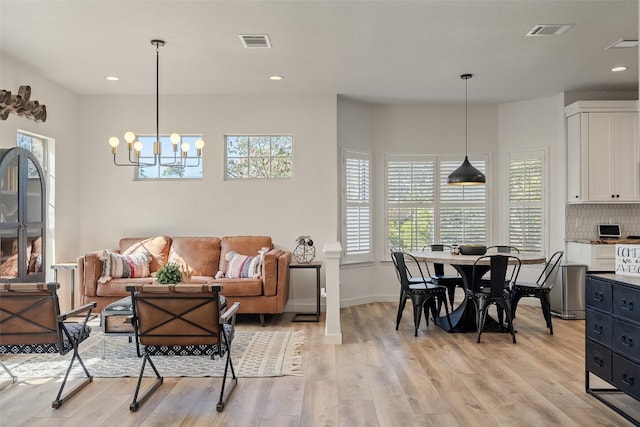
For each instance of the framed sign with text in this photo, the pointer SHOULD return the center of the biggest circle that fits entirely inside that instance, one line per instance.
(628, 260)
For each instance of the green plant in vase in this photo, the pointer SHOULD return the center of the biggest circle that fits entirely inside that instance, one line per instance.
(169, 274)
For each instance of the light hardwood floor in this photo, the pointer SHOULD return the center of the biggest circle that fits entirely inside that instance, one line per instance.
(378, 377)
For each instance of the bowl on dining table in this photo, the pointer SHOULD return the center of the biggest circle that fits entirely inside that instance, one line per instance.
(472, 249)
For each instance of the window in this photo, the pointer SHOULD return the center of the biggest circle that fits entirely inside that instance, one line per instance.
(37, 147)
(422, 209)
(463, 209)
(259, 156)
(169, 167)
(526, 200)
(356, 196)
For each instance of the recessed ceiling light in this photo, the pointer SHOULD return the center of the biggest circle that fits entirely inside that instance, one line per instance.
(276, 78)
(112, 78)
(618, 69)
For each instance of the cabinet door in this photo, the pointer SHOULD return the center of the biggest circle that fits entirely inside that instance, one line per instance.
(626, 156)
(574, 159)
(601, 163)
(22, 217)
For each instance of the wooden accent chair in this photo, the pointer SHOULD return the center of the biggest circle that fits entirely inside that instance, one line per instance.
(172, 320)
(31, 322)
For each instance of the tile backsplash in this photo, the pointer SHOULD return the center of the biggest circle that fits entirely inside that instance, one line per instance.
(582, 220)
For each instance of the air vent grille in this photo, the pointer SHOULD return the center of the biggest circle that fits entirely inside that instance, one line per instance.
(549, 30)
(250, 41)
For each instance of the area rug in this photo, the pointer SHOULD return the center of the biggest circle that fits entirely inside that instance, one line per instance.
(261, 353)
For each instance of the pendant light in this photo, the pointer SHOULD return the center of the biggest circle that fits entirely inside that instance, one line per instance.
(179, 157)
(466, 174)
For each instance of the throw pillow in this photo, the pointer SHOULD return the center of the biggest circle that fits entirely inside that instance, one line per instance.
(243, 266)
(124, 266)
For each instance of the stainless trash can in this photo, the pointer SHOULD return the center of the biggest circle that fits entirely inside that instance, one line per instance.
(567, 295)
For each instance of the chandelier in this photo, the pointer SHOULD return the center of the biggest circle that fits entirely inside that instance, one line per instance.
(466, 174)
(178, 158)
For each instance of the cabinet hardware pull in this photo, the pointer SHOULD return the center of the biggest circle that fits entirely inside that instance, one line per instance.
(627, 379)
(598, 296)
(598, 361)
(627, 305)
(597, 329)
(626, 341)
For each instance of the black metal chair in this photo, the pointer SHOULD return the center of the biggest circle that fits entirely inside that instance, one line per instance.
(496, 292)
(423, 295)
(31, 322)
(449, 281)
(181, 320)
(503, 249)
(540, 289)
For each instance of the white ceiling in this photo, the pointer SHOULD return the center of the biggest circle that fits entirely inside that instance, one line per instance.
(385, 51)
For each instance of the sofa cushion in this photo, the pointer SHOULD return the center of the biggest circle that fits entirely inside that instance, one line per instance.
(158, 247)
(240, 287)
(245, 245)
(199, 256)
(123, 266)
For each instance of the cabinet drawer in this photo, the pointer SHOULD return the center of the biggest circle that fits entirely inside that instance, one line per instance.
(598, 327)
(598, 360)
(626, 340)
(604, 251)
(598, 294)
(626, 375)
(626, 303)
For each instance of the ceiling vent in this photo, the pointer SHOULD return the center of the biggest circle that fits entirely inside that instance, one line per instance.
(255, 40)
(623, 44)
(549, 30)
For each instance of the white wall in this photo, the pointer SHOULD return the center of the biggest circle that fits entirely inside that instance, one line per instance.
(114, 205)
(405, 129)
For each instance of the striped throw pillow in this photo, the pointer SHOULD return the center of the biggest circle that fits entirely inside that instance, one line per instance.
(124, 266)
(243, 266)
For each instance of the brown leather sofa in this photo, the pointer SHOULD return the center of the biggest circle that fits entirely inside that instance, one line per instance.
(203, 258)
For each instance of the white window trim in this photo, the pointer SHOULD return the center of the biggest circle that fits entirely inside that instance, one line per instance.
(361, 257)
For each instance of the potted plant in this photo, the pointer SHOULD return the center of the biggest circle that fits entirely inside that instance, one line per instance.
(169, 274)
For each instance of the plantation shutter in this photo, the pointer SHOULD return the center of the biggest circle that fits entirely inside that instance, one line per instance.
(526, 201)
(410, 202)
(357, 207)
(463, 209)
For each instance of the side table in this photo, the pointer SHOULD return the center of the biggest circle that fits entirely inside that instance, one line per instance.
(71, 266)
(306, 317)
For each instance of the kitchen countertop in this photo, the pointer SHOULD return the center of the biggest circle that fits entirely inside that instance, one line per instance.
(631, 280)
(607, 241)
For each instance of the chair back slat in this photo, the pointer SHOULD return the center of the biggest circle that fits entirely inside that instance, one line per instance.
(177, 315)
(401, 269)
(499, 266)
(549, 274)
(28, 314)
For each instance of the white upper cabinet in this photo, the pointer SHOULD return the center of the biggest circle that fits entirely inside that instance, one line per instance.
(603, 152)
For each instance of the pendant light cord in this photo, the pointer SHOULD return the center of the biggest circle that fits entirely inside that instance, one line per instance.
(158, 92)
(466, 115)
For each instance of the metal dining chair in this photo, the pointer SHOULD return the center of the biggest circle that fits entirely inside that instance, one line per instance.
(496, 292)
(449, 281)
(423, 295)
(503, 249)
(540, 289)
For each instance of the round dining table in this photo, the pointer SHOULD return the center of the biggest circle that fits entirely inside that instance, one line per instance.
(463, 317)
